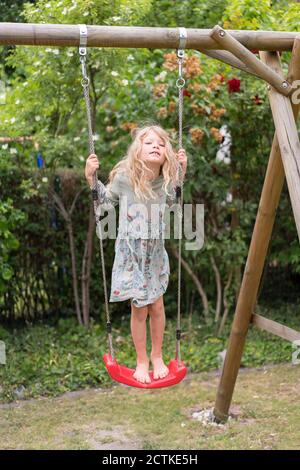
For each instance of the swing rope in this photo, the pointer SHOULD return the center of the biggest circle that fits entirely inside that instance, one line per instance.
(179, 189)
(95, 194)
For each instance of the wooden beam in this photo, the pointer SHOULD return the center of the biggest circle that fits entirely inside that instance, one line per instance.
(21, 139)
(33, 34)
(261, 236)
(275, 328)
(225, 39)
(15, 139)
(228, 58)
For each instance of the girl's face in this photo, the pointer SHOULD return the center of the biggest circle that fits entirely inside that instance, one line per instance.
(153, 148)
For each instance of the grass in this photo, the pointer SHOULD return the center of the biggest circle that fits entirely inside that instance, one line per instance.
(266, 415)
(57, 371)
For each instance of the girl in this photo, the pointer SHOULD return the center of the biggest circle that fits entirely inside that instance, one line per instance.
(143, 179)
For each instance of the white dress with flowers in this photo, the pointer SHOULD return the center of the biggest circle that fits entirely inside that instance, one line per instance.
(141, 265)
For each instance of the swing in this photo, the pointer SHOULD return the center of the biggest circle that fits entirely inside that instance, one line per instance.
(124, 375)
(118, 372)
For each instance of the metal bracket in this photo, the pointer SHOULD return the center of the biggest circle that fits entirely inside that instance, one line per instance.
(182, 42)
(82, 39)
(83, 53)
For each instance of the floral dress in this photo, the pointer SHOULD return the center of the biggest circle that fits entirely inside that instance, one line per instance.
(141, 265)
(140, 271)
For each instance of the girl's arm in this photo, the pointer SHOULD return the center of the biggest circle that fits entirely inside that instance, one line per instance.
(182, 160)
(171, 197)
(91, 166)
(108, 195)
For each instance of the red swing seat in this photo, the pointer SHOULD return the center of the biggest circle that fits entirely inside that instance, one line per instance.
(124, 375)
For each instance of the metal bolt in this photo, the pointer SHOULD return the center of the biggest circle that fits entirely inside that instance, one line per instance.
(269, 87)
(222, 33)
(284, 84)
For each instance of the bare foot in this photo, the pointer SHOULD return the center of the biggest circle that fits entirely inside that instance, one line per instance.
(160, 370)
(142, 372)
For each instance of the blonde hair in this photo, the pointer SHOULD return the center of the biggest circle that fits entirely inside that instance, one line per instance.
(135, 167)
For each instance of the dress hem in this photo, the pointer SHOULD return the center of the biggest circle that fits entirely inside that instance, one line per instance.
(140, 304)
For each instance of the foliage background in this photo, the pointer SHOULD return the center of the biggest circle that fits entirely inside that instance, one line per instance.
(43, 99)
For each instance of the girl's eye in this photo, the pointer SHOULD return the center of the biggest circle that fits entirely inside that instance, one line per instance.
(149, 143)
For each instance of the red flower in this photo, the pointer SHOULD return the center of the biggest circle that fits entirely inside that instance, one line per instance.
(234, 85)
(222, 78)
(257, 99)
(254, 51)
(186, 93)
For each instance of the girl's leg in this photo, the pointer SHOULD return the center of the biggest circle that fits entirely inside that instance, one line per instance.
(139, 336)
(157, 328)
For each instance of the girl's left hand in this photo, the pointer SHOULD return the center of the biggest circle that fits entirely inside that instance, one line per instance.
(182, 158)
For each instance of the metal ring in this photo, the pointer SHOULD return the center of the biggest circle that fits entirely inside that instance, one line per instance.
(180, 82)
(85, 81)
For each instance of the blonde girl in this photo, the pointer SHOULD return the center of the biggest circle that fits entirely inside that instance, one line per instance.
(143, 180)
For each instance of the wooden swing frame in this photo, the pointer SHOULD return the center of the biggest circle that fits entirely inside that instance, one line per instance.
(232, 47)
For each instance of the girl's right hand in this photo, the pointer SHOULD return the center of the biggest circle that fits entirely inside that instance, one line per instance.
(91, 166)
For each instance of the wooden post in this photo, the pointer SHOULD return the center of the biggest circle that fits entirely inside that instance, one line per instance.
(287, 134)
(129, 36)
(257, 253)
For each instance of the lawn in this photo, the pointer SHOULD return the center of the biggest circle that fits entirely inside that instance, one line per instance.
(265, 415)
